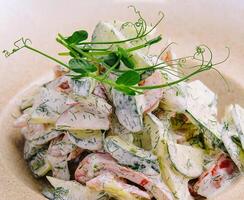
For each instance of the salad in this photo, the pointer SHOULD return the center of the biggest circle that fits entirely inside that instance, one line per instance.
(118, 122)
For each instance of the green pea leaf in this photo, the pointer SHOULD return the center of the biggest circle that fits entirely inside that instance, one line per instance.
(111, 59)
(76, 37)
(126, 58)
(81, 66)
(128, 78)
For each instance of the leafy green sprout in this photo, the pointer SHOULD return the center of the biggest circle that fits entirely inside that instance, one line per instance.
(103, 64)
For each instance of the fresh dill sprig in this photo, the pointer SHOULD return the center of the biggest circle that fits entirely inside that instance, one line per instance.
(103, 64)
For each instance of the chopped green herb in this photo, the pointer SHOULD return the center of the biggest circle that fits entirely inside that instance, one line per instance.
(236, 140)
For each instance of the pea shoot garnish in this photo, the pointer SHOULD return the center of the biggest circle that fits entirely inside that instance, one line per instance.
(115, 64)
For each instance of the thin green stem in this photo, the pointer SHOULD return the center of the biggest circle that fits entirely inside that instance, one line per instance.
(60, 41)
(64, 54)
(169, 83)
(164, 49)
(126, 40)
(146, 44)
(100, 53)
(106, 81)
(48, 56)
(105, 75)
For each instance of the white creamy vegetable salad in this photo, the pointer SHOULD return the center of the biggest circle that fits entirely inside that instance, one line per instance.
(92, 141)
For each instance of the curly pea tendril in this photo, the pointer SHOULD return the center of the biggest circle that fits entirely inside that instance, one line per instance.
(140, 25)
(101, 63)
(19, 44)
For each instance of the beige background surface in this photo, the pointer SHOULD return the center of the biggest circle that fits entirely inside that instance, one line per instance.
(213, 22)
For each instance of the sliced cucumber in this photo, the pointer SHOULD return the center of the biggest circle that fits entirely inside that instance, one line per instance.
(142, 139)
(211, 135)
(160, 136)
(90, 113)
(91, 140)
(94, 103)
(238, 118)
(116, 188)
(46, 137)
(121, 131)
(61, 146)
(129, 31)
(198, 103)
(193, 96)
(230, 137)
(59, 166)
(39, 164)
(202, 110)
(106, 31)
(26, 103)
(156, 129)
(81, 87)
(128, 110)
(29, 97)
(177, 183)
(27, 111)
(201, 100)
(130, 155)
(48, 106)
(74, 190)
(186, 159)
(80, 118)
(175, 98)
(181, 124)
(31, 149)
